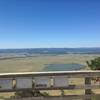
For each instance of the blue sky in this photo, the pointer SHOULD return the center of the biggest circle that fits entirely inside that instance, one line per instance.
(49, 23)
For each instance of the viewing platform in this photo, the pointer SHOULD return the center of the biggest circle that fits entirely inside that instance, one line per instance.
(55, 80)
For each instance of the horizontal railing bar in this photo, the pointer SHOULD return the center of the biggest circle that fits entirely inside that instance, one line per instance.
(69, 97)
(70, 87)
(53, 73)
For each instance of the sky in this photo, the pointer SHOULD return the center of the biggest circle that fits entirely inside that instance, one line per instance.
(49, 23)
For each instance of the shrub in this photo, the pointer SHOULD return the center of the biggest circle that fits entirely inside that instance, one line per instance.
(94, 64)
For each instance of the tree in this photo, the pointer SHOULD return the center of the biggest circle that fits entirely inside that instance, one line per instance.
(94, 64)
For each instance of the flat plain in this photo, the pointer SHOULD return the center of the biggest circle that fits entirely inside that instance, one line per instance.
(37, 62)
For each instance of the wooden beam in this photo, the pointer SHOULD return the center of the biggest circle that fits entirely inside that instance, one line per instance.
(88, 91)
(88, 73)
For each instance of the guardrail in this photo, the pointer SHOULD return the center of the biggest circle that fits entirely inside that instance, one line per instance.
(59, 80)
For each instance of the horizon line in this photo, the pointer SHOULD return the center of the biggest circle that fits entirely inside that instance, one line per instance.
(49, 47)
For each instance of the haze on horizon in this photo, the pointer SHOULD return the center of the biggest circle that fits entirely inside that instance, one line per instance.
(49, 23)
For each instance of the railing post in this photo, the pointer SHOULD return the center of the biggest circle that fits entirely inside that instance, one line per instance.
(88, 92)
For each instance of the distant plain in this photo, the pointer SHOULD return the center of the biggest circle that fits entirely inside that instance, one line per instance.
(36, 62)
